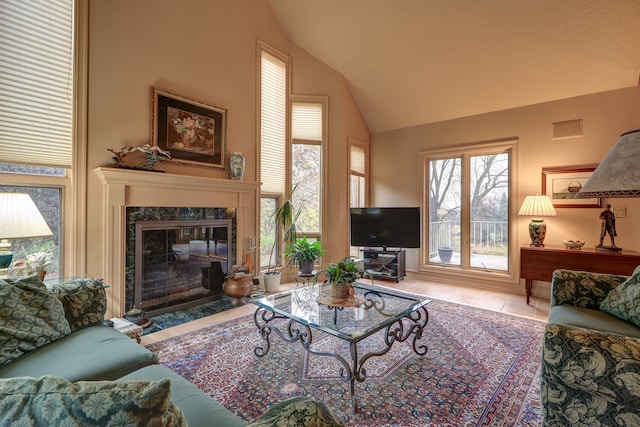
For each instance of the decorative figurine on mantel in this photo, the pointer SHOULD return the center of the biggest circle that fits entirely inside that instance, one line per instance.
(141, 157)
(608, 226)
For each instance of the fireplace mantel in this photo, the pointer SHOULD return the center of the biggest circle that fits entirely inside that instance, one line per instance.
(127, 187)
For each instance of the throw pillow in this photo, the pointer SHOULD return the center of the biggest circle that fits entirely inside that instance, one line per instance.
(84, 301)
(298, 411)
(48, 400)
(624, 301)
(30, 317)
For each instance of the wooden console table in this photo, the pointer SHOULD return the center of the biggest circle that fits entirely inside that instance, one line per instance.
(538, 263)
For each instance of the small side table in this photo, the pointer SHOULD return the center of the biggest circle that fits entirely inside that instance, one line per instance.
(130, 329)
(305, 279)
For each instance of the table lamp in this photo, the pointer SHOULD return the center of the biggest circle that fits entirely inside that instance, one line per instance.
(19, 219)
(537, 206)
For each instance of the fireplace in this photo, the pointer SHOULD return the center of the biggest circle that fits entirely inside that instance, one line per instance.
(132, 197)
(180, 256)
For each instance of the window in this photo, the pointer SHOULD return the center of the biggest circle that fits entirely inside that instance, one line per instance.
(274, 91)
(358, 165)
(357, 174)
(307, 132)
(468, 197)
(37, 94)
(49, 203)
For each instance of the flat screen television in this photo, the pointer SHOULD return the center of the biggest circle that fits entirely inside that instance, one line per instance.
(385, 227)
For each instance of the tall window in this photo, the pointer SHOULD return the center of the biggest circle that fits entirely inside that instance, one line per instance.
(357, 174)
(468, 196)
(357, 179)
(307, 133)
(273, 147)
(36, 111)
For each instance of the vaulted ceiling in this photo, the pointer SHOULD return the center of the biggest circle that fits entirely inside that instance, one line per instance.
(410, 62)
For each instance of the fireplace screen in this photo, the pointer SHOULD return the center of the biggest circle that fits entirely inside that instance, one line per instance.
(179, 262)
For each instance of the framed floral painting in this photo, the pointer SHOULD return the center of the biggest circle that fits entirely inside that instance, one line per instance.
(192, 131)
(562, 184)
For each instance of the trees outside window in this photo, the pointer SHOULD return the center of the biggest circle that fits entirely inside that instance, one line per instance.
(468, 207)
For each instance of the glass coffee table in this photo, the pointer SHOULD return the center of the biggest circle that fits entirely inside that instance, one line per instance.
(310, 310)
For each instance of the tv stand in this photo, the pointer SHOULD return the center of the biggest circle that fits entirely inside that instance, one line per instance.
(384, 264)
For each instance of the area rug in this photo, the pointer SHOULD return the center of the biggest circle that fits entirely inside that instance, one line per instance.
(482, 368)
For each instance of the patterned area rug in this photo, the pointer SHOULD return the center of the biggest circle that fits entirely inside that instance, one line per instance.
(482, 369)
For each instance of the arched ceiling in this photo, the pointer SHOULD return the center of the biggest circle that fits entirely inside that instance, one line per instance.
(410, 62)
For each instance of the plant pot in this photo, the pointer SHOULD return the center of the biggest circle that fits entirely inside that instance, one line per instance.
(341, 290)
(272, 281)
(445, 253)
(236, 288)
(306, 267)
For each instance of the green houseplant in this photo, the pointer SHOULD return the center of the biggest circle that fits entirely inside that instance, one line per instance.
(342, 275)
(304, 253)
(285, 217)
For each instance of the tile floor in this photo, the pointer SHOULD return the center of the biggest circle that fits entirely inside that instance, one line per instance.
(491, 300)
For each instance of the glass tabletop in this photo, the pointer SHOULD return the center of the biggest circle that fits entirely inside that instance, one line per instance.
(381, 307)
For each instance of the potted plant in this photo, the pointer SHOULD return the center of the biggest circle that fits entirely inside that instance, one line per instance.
(285, 217)
(341, 275)
(304, 253)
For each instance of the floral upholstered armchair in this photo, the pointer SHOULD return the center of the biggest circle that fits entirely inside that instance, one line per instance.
(591, 357)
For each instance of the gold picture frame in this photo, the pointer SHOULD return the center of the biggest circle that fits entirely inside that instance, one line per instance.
(561, 185)
(192, 131)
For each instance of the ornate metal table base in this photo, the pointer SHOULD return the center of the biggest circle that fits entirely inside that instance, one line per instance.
(352, 370)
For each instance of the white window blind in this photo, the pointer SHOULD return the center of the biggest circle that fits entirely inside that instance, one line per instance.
(357, 162)
(273, 122)
(36, 82)
(306, 121)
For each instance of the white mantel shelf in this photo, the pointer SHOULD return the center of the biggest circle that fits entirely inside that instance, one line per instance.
(128, 177)
(128, 187)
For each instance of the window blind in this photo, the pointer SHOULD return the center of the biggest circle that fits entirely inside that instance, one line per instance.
(273, 122)
(357, 162)
(306, 121)
(36, 82)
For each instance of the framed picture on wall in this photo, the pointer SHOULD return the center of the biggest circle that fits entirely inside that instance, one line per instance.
(562, 184)
(192, 131)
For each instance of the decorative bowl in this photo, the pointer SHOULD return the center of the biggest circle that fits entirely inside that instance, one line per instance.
(573, 244)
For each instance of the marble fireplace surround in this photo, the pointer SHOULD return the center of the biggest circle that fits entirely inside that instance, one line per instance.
(126, 187)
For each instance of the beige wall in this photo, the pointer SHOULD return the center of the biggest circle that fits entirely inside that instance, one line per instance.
(205, 50)
(605, 116)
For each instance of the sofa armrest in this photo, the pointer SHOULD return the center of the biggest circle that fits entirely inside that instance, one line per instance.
(84, 301)
(581, 288)
(588, 368)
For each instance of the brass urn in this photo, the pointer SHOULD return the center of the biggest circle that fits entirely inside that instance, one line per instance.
(237, 288)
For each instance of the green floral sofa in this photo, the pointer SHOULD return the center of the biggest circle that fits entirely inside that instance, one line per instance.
(591, 356)
(59, 365)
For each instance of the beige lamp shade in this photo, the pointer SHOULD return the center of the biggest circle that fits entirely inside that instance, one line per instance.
(20, 217)
(618, 175)
(537, 206)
